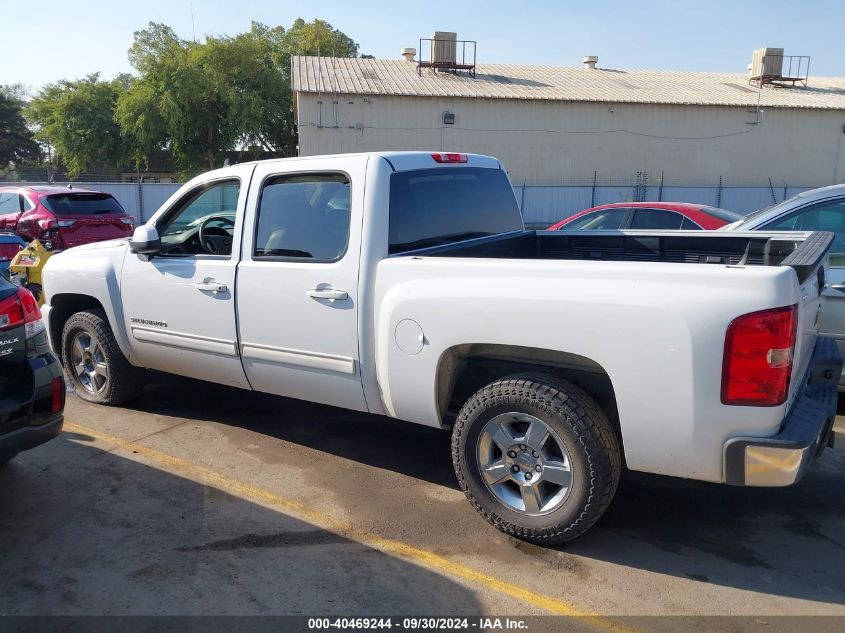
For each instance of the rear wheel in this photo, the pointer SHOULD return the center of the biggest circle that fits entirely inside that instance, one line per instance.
(93, 362)
(537, 457)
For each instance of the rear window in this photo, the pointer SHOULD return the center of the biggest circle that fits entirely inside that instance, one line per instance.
(723, 214)
(429, 207)
(82, 204)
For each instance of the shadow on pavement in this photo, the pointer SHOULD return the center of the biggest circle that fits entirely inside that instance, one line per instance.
(781, 541)
(85, 531)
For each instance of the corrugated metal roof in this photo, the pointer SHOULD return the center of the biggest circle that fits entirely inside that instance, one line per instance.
(557, 83)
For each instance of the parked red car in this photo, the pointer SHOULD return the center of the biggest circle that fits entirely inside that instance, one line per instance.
(654, 216)
(64, 217)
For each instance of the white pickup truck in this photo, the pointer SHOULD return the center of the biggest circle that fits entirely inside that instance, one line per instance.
(404, 284)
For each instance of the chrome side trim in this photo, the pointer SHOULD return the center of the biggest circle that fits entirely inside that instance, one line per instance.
(298, 358)
(183, 340)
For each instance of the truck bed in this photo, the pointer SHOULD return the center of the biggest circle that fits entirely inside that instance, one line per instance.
(800, 250)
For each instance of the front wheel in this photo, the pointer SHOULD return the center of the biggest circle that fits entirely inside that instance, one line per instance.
(537, 457)
(93, 362)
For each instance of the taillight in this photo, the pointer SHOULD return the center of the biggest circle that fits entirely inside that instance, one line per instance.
(758, 358)
(52, 223)
(449, 157)
(57, 393)
(11, 313)
(8, 251)
(128, 220)
(33, 322)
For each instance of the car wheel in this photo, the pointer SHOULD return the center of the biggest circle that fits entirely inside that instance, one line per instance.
(93, 362)
(536, 457)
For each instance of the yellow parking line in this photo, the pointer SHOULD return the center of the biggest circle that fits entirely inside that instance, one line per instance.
(298, 510)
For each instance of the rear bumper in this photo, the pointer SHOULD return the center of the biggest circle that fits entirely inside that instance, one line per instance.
(782, 459)
(27, 437)
(32, 416)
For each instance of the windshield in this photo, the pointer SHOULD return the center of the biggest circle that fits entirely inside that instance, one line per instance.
(81, 204)
(774, 209)
(429, 207)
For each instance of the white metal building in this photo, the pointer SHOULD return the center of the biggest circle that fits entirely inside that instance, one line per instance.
(553, 125)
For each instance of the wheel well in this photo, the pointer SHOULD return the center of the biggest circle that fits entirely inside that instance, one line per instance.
(62, 307)
(464, 369)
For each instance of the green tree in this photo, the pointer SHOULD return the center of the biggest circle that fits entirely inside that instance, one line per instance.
(76, 118)
(202, 99)
(16, 141)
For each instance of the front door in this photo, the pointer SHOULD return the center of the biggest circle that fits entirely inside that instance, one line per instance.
(179, 306)
(298, 282)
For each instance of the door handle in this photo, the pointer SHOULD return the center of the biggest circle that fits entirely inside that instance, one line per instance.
(327, 293)
(839, 287)
(210, 286)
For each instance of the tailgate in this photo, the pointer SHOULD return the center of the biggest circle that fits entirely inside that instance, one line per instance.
(88, 229)
(810, 263)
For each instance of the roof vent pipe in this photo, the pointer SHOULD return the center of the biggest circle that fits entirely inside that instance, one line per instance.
(409, 53)
(590, 61)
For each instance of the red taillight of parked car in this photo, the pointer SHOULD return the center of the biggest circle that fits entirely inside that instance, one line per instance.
(8, 251)
(21, 309)
(758, 358)
(57, 392)
(52, 223)
(11, 313)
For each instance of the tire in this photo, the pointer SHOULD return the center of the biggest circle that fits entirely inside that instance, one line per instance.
(116, 380)
(539, 502)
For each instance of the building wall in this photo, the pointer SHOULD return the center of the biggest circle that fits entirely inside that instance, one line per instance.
(547, 142)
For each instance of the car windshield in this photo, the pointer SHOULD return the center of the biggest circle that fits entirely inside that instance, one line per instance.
(774, 209)
(81, 204)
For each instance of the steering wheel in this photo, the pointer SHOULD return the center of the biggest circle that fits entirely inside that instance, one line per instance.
(215, 240)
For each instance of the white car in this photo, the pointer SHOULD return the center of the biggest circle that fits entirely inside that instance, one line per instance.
(815, 210)
(404, 284)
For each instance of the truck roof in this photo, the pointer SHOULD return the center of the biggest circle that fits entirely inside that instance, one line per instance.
(401, 161)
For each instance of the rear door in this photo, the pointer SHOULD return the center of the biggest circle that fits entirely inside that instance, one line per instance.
(827, 215)
(12, 204)
(297, 295)
(85, 217)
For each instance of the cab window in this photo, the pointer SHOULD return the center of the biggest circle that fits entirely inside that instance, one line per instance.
(304, 217)
(202, 222)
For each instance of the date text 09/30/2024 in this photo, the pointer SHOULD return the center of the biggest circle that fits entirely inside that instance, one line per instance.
(418, 623)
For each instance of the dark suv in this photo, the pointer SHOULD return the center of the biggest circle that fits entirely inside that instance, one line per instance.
(32, 389)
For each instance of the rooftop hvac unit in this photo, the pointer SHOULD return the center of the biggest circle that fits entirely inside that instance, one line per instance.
(767, 62)
(444, 47)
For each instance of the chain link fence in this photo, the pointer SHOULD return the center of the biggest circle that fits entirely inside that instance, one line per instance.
(541, 205)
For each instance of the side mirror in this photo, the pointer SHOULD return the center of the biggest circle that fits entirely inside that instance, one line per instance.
(145, 241)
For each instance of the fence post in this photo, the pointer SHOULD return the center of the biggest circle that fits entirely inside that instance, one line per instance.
(522, 200)
(140, 199)
(593, 196)
(772, 189)
(660, 192)
(719, 193)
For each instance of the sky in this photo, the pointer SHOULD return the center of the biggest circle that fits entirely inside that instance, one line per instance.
(67, 39)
